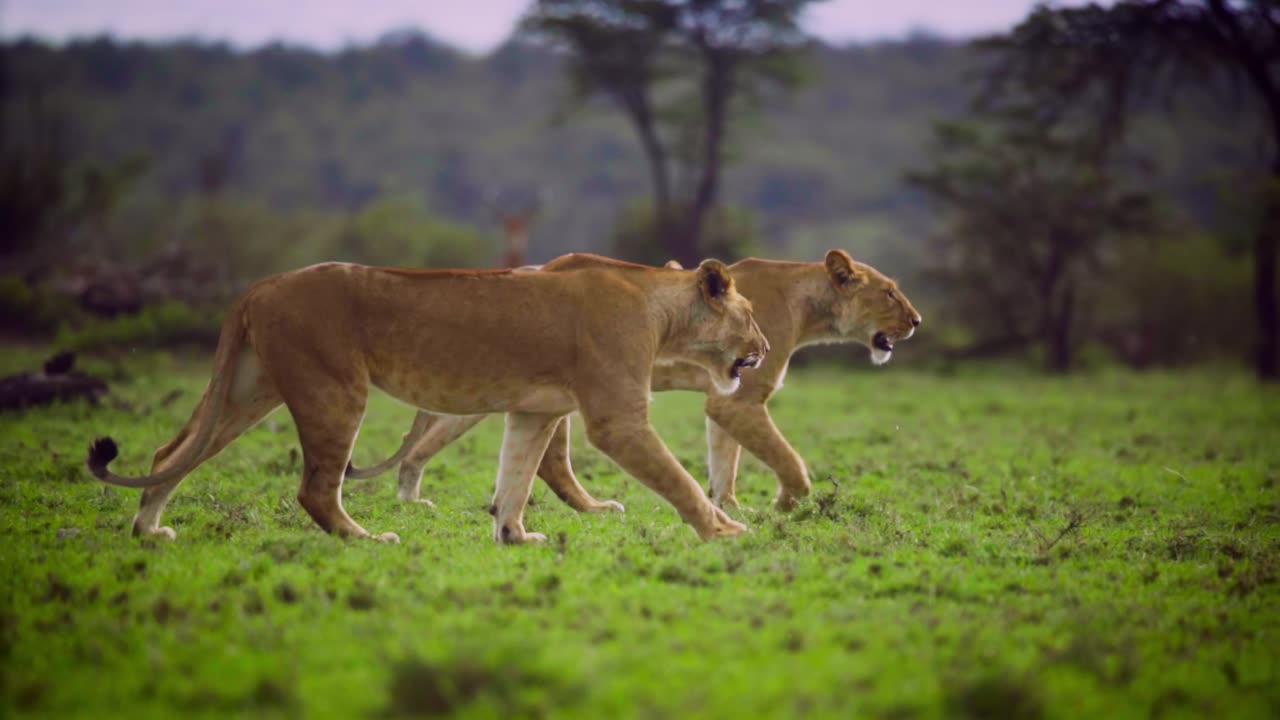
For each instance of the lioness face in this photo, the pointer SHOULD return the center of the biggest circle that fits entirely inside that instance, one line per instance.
(725, 337)
(870, 308)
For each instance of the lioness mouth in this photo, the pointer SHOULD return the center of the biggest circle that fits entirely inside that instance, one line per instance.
(882, 342)
(750, 361)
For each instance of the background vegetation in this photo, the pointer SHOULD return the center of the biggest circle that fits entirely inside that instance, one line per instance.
(402, 152)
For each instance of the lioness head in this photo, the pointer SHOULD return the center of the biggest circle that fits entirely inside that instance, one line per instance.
(870, 308)
(724, 336)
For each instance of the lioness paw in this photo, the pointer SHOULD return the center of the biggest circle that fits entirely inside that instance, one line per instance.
(165, 532)
(387, 537)
(721, 526)
(728, 502)
(728, 528)
(422, 501)
(508, 535)
(607, 505)
(786, 502)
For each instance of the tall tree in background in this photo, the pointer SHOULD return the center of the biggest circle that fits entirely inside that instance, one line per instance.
(627, 50)
(615, 49)
(1097, 64)
(1030, 213)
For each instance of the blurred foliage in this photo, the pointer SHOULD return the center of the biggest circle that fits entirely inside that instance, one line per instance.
(26, 308)
(1174, 300)
(679, 72)
(1031, 214)
(164, 324)
(398, 230)
(1097, 65)
(729, 234)
(406, 115)
(394, 153)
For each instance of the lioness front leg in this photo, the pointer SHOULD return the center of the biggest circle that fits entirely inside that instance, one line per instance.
(523, 443)
(749, 424)
(556, 470)
(441, 430)
(637, 449)
(722, 464)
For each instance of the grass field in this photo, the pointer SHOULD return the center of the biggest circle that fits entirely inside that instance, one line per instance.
(995, 545)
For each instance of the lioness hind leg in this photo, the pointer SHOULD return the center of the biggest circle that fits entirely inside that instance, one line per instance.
(328, 419)
(252, 398)
(523, 443)
(441, 431)
(723, 453)
(556, 470)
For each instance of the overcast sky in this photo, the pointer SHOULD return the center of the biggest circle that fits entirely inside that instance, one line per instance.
(475, 25)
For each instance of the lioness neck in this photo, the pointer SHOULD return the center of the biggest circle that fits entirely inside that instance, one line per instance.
(668, 301)
(804, 294)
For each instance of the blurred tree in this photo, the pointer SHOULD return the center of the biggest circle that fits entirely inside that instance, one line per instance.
(398, 230)
(1029, 214)
(615, 49)
(34, 169)
(326, 134)
(742, 46)
(1097, 64)
(626, 49)
(728, 232)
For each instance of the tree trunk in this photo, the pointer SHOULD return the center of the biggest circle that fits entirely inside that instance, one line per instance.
(659, 174)
(1059, 355)
(1256, 61)
(1265, 245)
(717, 88)
(1057, 298)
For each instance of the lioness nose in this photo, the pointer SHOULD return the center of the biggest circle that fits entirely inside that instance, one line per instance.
(915, 321)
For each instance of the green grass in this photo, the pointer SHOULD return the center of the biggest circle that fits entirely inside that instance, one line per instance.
(976, 546)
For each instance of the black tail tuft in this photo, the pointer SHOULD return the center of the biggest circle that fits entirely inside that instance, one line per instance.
(350, 468)
(101, 453)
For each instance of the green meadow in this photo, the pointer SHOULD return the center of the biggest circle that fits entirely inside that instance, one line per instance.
(980, 544)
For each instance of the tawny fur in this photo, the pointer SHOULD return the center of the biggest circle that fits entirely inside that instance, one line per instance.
(796, 304)
(535, 345)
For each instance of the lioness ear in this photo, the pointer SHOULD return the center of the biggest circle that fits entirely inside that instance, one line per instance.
(843, 271)
(673, 265)
(714, 279)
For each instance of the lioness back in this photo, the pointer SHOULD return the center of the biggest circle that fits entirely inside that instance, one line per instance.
(444, 339)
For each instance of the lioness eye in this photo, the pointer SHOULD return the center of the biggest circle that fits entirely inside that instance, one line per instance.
(889, 293)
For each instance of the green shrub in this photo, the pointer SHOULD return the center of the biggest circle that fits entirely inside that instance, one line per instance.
(398, 230)
(162, 325)
(31, 310)
(728, 234)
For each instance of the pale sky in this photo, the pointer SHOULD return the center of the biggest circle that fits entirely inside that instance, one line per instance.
(474, 25)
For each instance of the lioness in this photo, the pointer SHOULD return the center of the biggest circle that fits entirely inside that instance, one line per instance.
(799, 304)
(533, 345)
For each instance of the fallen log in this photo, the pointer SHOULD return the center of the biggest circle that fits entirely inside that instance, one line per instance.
(57, 381)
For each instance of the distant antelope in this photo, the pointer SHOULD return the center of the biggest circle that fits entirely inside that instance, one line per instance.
(516, 249)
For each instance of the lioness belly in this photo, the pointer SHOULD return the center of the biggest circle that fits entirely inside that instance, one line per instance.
(476, 396)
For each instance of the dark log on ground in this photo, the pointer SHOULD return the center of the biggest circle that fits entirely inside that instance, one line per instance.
(57, 381)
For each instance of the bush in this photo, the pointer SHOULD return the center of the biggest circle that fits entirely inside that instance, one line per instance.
(728, 234)
(398, 230)
(161, 325)
(1175, 302)
(31, 310)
